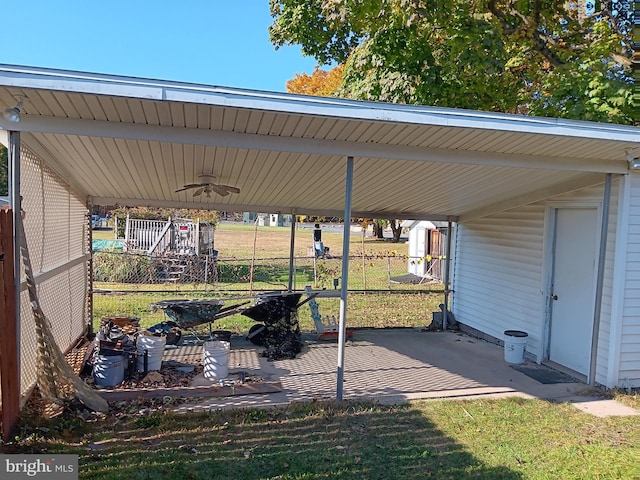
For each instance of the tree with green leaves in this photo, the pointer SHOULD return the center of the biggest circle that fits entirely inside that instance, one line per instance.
(4, 171)
(558, 59)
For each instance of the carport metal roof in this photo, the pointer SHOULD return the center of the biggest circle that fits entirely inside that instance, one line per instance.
(128, 141)
(131, 141)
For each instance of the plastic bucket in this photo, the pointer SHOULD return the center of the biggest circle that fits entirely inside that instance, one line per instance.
(215, 358)
(108, 370)
(154, 346)
(514, 344)
(222, 335)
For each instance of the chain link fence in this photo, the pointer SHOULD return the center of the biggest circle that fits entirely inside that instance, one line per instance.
(367, 273)
(381, 292)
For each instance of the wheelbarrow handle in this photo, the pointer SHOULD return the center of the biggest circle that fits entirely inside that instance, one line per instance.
(308, 299)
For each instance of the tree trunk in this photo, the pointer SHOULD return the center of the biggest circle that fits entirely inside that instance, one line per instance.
(396, 228)
(377, 230)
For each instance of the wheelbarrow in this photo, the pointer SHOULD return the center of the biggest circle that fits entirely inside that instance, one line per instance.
(187, 314)
(278, 330)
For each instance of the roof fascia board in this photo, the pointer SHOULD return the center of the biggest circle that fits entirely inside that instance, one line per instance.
(100, 84)
(583, 181)
(138, 202)
(194, 136)
(73, 84)
(408, 114)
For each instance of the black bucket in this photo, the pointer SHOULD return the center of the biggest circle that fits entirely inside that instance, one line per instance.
(221, 335)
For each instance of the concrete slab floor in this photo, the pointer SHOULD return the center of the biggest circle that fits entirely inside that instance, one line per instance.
(392, 366)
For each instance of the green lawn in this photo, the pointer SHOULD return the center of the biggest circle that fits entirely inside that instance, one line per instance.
(485, 439)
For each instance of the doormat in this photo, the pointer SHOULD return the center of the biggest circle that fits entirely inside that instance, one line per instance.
(544, 374)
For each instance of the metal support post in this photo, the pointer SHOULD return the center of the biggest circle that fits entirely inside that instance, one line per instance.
(342, 333)
(600, 280)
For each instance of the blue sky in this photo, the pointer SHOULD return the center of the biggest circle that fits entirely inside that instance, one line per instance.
(214, 42)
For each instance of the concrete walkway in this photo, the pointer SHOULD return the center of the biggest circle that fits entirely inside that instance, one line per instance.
(392, 366)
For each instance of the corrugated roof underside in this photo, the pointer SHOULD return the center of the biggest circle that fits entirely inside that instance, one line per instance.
(261, 122)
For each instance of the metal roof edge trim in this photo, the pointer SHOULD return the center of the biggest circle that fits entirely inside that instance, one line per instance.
(160, 90)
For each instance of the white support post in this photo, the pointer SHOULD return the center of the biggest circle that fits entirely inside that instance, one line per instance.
(447, 266)
(600, 281)
(292, 252)
(342, 332)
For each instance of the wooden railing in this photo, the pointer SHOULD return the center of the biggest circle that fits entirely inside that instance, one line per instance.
(147, 235)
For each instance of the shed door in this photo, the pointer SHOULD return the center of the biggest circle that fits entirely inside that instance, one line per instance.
(573, 288)
(436, 252)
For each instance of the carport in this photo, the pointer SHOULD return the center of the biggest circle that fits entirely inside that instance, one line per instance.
(90, 139)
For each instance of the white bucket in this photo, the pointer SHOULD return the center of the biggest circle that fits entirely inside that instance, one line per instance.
(108, 370)
(215, 358)
(154, 346)
(514, 343)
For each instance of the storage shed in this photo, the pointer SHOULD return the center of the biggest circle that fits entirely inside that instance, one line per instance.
(427, 248)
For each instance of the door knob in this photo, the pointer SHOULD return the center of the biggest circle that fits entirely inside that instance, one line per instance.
(554, 297)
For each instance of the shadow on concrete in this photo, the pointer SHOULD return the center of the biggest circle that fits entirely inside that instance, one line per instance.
(389, 366)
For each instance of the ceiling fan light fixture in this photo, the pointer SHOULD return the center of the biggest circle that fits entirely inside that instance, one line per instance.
(207, 185)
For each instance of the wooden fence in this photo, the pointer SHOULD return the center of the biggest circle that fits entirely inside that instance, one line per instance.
(9, 374)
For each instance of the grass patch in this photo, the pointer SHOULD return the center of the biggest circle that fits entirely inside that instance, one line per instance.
(378, 310)
(486, 439)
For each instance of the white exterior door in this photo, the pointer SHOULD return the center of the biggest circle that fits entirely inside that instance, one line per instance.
(573, 287)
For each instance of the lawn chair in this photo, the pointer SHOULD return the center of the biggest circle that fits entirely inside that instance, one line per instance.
(327, 327)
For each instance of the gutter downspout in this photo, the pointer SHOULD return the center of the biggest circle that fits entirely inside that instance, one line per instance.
(445, 310)
(600, 281)
(345, 277)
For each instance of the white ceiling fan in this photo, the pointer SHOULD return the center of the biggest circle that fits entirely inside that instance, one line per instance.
(207, 185)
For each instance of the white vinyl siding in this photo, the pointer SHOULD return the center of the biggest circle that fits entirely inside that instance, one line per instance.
(498, 272)
(629, 363)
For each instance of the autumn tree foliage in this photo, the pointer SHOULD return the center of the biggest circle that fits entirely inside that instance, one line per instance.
(323, 83)
(569, 59)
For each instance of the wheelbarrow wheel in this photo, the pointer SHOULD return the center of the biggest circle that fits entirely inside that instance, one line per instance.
(257, 334)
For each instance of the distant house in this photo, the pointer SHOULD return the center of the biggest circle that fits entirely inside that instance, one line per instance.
(249, 217)
(4, 201)
(268, 219)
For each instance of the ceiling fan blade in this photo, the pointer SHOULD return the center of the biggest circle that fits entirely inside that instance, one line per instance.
(187, 187)
(229, 188)
(198, 192)
(219, 190)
